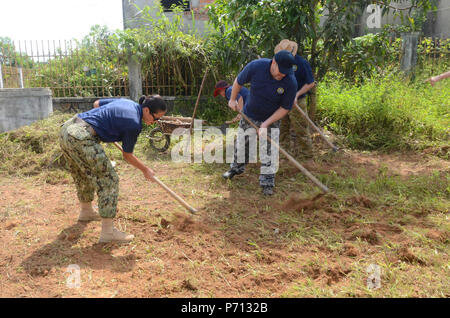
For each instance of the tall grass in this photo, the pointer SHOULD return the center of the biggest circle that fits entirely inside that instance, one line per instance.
(386, 112)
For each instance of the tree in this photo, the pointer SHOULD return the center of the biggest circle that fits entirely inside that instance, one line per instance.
(10, 57)
(248, 28)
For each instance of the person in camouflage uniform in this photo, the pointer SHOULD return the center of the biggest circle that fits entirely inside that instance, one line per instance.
(295, 132)
(90, 168)
(111, 120)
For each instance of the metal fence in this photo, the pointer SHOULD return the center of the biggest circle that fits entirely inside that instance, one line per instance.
(81, 69)
(68, 68)
(433, 53)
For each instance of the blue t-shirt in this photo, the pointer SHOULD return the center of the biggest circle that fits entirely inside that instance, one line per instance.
(244, 93)
(266, 93)
(116, 120)
(303, 73)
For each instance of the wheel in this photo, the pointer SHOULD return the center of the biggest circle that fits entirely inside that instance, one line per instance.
(158, 140)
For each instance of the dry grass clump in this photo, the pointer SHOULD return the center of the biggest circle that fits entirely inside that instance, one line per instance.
(33, 149)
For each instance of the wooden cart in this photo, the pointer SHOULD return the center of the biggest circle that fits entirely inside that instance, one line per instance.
(159, 137)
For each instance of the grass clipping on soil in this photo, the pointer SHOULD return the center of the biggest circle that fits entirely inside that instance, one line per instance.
(34, 149)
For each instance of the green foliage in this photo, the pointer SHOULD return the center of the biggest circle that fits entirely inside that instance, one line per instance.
(170, 55)
(245, 29)
(94, 66)
(367, 55)
(10, 56)
(386, 112)
(173, 60)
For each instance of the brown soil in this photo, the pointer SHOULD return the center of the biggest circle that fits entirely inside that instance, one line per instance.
(238, 245)
(405, 255)
(296, 203)
(438, 235)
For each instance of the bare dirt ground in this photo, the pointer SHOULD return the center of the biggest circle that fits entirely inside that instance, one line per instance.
(241, 244)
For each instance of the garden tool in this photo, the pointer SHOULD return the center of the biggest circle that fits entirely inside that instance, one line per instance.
(289, 157)
(162, 185)
(311, 123)
(188, 144)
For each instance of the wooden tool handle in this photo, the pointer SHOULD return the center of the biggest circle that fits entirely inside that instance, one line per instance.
(311, 123)
(290, 158)
(162, 185)
(198, 99)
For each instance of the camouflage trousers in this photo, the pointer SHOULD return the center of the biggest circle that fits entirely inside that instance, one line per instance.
(90, 167)
(295, 132)
(245, 151)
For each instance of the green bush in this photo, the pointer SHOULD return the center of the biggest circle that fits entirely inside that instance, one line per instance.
(387, 112)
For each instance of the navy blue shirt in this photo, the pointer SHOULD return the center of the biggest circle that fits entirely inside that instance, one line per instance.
(267, 94)
(244, 93)
(116, 120)
(303, 73)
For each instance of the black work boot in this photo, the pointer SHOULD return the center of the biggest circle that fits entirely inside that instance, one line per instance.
(230, 174)
(267, 190)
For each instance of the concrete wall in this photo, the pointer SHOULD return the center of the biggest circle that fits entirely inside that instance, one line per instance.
(23, 106)
(73, 104)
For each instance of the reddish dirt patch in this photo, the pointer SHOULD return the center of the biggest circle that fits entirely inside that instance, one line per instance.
(231, 249)
(405, 255)
(438, 235)
(295, 203)
(187, 223)
(360, 201)
(10, 225)
(350, 250)
(335, 274)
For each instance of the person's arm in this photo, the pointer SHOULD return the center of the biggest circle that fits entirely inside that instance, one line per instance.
(277, 115)
(436, 79)
(238, 116)
(243, 77)
(305, 88)
(308, 78)
(129, 139)
(101, 102)
(232, 103)
(135, 162)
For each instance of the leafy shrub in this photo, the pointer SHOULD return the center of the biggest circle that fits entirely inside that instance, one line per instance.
(385, 112)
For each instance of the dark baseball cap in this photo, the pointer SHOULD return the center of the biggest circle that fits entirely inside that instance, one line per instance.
(220, 85)
(285, 61)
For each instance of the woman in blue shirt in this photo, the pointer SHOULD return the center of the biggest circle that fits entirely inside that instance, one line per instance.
(110, 120)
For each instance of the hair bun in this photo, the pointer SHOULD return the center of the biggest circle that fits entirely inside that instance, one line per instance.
(141, 100)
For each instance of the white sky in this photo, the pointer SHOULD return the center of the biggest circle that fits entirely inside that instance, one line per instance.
(57, 19)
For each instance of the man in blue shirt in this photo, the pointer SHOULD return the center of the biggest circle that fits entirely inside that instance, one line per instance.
(111, 120)
(272, 92)
(224, 89)
(294, 127)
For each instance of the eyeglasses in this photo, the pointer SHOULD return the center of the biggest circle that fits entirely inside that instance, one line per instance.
(155, 118)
